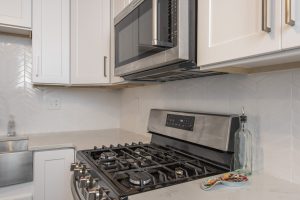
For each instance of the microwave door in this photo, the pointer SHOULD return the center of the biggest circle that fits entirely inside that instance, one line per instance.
(134, 33)
(126, 33)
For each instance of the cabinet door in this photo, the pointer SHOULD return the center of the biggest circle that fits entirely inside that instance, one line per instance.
(51, 41)
(15, 13)
(90, 45)
(52, 176)
(232, 29)
(290, 24)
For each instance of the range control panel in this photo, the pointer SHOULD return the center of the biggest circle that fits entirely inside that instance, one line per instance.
(180, 122)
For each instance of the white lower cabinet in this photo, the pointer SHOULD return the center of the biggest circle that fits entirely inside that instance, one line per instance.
(52, 176)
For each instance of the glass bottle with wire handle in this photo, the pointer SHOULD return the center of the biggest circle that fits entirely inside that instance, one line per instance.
(243, 148)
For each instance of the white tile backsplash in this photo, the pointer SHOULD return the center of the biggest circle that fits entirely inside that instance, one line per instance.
(81, 108)
(271, 100)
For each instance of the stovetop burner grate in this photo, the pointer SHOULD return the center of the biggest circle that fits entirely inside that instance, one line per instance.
(141, 167)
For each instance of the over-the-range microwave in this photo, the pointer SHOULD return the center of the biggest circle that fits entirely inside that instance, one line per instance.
(155, 40)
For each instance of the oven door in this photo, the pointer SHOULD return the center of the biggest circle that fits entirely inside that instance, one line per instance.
(144, 30)
(75, 190)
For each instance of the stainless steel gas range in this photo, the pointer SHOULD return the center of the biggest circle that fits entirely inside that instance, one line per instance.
(184, 147)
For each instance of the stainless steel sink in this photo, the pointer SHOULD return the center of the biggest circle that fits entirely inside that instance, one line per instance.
(13, 144)
(16, 162)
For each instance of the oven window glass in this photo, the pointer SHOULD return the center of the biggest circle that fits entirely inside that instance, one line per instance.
(133, 35)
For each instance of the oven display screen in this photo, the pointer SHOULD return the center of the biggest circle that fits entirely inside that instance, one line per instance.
(180, 122)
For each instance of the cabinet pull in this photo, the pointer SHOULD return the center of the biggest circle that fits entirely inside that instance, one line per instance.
(265, 27)
(105, 58)
(37, 67)
(288, 13)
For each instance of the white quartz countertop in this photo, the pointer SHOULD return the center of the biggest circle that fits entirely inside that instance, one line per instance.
(260, 187)
(83, 139)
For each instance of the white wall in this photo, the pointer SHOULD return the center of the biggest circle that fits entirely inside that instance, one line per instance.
(271, 100)
(82, 109)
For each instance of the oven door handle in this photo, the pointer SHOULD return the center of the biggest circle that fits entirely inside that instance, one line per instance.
(155, 29)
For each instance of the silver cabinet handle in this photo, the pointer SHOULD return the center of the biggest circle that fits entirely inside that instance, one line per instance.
(105, 58)
(288, 13)
(265, 16)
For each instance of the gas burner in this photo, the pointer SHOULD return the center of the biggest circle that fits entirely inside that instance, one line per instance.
(139, 151)
(108, 155)
(139, 178)
(180, 173)
(140, 162)
(109, 163)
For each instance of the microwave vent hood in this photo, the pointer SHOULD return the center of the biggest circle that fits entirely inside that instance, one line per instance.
(170, 73)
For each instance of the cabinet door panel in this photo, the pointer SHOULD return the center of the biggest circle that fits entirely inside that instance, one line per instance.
(15, 13)
(52, 176)
(291, 33)
(232, 29)
(90, 42)
(54, 167)
(51, 41)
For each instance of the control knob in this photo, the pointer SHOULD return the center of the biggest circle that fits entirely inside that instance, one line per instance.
(92, 193)
(85, 181)
(80, 170)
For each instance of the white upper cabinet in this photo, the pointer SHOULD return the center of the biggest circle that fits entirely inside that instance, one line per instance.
(290, 24)
(234, 29)
(90, 41)
(51, 41)
(15, 13)
(71, 42)
(119, 5)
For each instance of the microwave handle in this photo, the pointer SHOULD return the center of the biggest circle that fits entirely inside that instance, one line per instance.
(155, 34)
